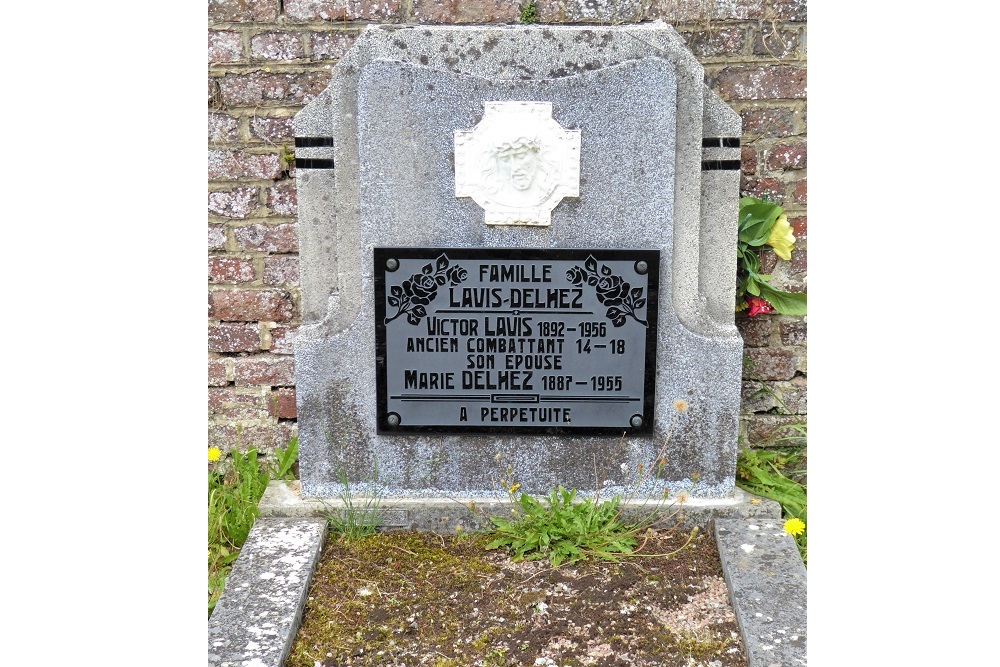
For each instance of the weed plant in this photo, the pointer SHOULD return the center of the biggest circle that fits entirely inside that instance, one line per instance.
(235, 486)
(770, 470)
(359, 517)
(565, 531)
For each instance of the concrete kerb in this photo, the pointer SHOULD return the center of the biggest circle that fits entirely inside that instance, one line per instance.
(258, 614)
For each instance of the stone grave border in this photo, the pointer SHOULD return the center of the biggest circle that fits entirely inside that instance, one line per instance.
(260, 610)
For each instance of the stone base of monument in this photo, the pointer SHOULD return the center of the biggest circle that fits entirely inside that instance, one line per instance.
(261, 608)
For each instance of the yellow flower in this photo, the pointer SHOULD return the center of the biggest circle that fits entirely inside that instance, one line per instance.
(515, 487)
(214, 453)
(680, 405)
(781, 238)
(794, 526)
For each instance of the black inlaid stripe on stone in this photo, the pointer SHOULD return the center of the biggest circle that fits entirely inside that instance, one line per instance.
(720, 142)
(313, 142)
(716, 165)
(312, 163)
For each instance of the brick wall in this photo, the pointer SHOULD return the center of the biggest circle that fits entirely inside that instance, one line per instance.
(268, 58)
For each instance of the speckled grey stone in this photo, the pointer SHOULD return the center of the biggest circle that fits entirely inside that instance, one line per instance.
(255, 620)
(638, 97)
(767, 587)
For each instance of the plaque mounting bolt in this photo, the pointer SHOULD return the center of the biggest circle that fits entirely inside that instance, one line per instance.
(641, 267)
(393, 419)
(636, 421)
(391, 264)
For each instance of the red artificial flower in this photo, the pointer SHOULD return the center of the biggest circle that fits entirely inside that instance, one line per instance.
(758, 305)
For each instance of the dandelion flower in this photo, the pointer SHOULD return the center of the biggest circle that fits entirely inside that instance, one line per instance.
(515, 487)
(214, 453)
(680, 405)
(682, 497)
(794, 526)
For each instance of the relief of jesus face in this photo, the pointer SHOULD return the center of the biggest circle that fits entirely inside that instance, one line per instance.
(518, 165)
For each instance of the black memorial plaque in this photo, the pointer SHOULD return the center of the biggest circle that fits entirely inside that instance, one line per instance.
(503, 340)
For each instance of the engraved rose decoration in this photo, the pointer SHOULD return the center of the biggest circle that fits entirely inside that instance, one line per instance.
(613, 291)
(411, 297)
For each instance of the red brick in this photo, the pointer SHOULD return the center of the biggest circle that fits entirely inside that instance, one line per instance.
(234, 403)
(768, 260)
(282, 200)
(281, 238)
(233, 337)
(752, 399)
(225, 11)
(798, 261)
(799, 194)
(216, 237)
(718, 42)
(231, 165)
(787, 156)
(244, 305)
(758, 187)
(282, 339)
(282, 404)
(756, 331)
(271, 371)
(217, 372)
(257, 88)
(276, 46)
(766, 83)
(236, 435)
(281, 271)
(748, 159)
(768, 122)
(798, 226)
(224, 46)
(311, 10)
(235, 203)
(332, 45)
(775, 43)
(230, 270)
(468, 11)
(769, 364)
(223, 127)
(276, 129)
(680, 11)
(785, 10)
(793, 333)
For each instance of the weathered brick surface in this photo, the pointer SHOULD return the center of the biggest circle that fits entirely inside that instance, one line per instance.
(232, 165)
(774, 42)
(223, 128)
(244, 305)
(281, 271)
(756, 331)
(748, 159)
(233, 337)
(281, 238)
(787, 156)
(718, 42)
(263, 435)
(224, 46)
(798, 226)
(235, 203)
(762, 83)
(798, 261)
(268, 370)
(761, 187)
(261, 87)
(282, 339)
(765, 430)
(768, 121)
(281, 198)
(276, 46)
(677, 11)
(217, 372)
(468, 11)
(372, 10)
(230, 270)
(281, 403)
(799, 193)
(785, 10)
(216, 237)
(239, 403)
(223, 11)
(330, 45)
(274, 129)
(793, 333)
(770, 364)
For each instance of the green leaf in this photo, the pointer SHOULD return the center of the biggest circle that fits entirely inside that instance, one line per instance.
(756, 221)
(786, 303)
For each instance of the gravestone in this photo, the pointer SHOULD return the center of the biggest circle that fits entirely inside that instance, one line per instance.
(517, 247)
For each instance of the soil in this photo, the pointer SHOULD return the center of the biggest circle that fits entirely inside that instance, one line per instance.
(407, 598)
